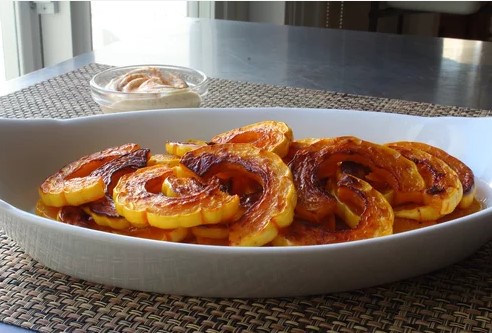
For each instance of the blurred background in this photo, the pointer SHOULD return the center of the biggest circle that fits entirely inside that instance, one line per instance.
(37, 34)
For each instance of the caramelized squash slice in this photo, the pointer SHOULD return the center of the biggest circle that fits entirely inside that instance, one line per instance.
(103, 211)
(443, 191)
(73, 185)
(179, 148)
(140, 199)
(314, 164)
(272, 209)
(465, 173)
(274, 136)
(357, 201)
(168, 159)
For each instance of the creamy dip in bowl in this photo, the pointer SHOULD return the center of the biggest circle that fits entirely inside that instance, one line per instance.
(146, 87)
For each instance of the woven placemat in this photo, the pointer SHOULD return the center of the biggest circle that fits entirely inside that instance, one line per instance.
(455, 299)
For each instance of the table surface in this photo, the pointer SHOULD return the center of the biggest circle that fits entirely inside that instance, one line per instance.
(424, 69)
(433, 70)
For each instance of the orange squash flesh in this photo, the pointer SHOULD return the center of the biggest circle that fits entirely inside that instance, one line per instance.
(73, 185)
(321, 160)
(139, 198)
(274, 136)
(443, 190)
(465, 174)
(273, 209)
(255, 186)
(103, 210)
(375, 219)
(178, 148)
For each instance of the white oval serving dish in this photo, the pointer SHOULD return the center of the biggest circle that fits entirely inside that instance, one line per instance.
(32, 149)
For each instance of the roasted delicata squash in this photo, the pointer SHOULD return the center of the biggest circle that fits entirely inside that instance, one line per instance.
(297, 145)
(139, 197)
(178, 148)
(357, 201)
(443, 191)
(73, 185)
(103, 210)
(464, 173)
(167, 159)
(274, 136)
(217, 234)
(256, 186)
(168, 235)
(273, 208)
(315, 163)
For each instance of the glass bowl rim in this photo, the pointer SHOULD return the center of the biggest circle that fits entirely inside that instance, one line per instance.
(95, 86)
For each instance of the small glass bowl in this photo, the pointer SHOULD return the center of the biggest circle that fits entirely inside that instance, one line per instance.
(111, 100)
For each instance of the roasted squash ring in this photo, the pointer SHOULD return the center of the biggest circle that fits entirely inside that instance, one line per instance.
(138, 197)
(211, 234)
(179, 148)
(272, 210)
(297, 145)
(168, 235)
(103, 211)
(167, 159)
(73, 185)
(465, 174)
(443, 190)
(273, 136)
(312, 165)
(355, 197)
(216, 231)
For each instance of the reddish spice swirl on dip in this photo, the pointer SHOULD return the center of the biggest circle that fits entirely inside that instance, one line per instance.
(146, 79)
(150, 88)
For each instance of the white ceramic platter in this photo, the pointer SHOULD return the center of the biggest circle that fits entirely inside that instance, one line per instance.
(30, 150)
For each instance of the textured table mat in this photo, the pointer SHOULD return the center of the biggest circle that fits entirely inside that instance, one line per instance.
(455, 299)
